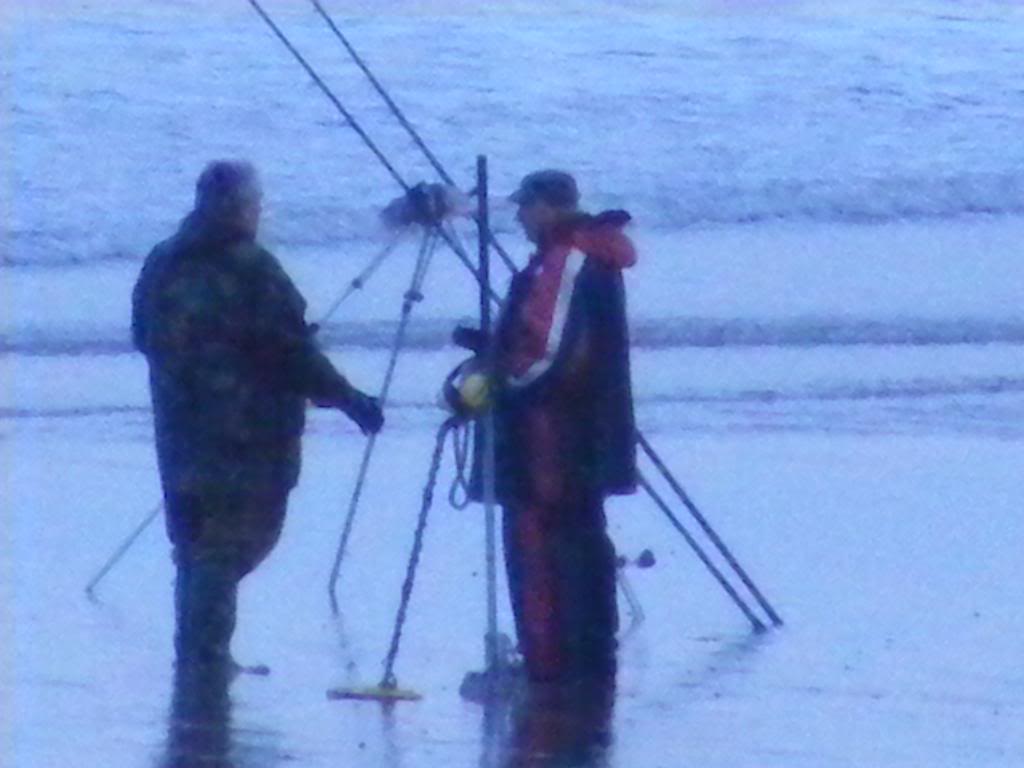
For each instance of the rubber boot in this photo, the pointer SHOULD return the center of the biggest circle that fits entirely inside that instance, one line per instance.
(591, 616)
(206, 596)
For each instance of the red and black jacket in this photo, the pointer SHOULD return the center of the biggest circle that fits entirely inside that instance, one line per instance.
(563, 352)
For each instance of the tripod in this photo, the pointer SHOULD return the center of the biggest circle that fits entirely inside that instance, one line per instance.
(430, 217)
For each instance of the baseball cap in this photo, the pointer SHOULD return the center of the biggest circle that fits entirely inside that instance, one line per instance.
(556, 188)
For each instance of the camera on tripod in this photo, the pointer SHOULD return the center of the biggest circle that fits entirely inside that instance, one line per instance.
(426, 205)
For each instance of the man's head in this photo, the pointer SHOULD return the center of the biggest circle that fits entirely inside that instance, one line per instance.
(229, 195)
(545, 198)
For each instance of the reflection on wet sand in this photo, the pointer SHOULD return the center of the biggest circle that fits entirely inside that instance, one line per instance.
(551, 727)
(200, 731)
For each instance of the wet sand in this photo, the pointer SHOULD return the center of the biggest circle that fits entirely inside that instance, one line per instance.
(893, 560)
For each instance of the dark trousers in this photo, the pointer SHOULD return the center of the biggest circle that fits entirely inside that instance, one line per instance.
(199, 729)
(565, 725)
(561, 572)
(219, 536)
(559, 558)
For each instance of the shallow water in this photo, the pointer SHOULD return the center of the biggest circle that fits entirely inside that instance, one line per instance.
(890, 558)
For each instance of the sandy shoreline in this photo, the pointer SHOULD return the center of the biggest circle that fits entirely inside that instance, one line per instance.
(892, 559)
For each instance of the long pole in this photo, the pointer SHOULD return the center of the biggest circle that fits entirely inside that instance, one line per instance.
(490, 522)
(354, 124)
(388, 679)
(404, 121)
(706, 527)
(712, 568)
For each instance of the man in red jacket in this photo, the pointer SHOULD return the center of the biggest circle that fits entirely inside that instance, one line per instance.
(564, 429)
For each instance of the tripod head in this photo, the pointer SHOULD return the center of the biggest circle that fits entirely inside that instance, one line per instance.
(426, 205)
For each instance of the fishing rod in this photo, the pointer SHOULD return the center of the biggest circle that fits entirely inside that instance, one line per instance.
(405, 123)
(361, 132)
(755, 622)
(451, 241)
(706, 527)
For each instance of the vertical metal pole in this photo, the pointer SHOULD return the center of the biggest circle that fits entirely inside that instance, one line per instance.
(490, 518)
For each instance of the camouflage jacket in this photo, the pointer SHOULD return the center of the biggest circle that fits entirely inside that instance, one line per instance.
(232, 361)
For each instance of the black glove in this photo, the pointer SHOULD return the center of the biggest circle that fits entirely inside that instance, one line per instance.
(364, 410)
(472, 339)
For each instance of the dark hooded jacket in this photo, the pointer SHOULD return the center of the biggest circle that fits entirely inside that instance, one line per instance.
(563, 348)
(232, 361)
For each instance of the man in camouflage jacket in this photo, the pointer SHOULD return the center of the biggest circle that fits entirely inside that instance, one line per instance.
(232, 364)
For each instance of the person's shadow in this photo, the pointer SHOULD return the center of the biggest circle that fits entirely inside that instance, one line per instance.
(200, 730)
(551, 727)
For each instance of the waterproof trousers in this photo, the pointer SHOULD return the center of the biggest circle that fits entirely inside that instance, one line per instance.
(219, 536)
(565, 725)
(199, 728)
(561, 573)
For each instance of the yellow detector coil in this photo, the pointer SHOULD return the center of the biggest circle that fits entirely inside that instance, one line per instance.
(373, 693)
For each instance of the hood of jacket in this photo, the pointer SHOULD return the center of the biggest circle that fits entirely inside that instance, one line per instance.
(200, 231)
(600, 237)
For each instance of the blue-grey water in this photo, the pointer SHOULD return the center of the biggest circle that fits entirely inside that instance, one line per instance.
(731, 113)
(801, 177)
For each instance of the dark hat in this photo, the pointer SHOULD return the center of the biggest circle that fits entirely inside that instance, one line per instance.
(556, 188)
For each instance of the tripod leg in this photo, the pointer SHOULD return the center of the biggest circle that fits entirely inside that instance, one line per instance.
(412, 296)
(114, 559)
(360, 280)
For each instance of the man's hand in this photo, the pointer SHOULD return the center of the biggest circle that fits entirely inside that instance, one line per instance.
(472, 339)
(364, 410)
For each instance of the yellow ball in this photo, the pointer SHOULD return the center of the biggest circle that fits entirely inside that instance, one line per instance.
(475, 391)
